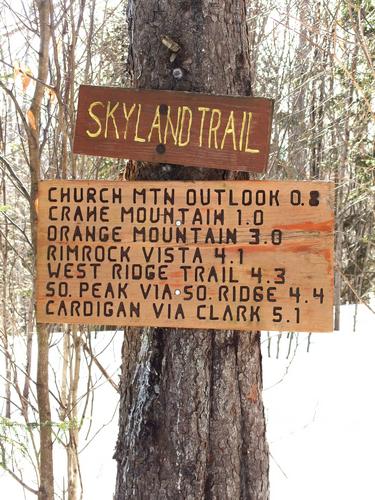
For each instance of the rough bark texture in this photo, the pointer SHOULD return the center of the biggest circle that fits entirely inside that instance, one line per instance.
(191, 416)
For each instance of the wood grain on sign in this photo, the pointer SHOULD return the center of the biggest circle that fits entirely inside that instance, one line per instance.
(161, 126)
(224, 254)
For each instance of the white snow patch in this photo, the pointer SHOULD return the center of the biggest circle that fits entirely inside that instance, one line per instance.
(320, 418)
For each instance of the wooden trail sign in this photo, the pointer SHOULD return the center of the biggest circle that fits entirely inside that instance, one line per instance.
(161, 126)
(222, 254)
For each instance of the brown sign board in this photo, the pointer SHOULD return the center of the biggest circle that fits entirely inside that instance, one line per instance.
(185, 128)
(224, 254)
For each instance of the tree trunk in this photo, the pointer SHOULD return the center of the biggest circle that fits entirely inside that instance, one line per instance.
(191, 416)
(46, 486)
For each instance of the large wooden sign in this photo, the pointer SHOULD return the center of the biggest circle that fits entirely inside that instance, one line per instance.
(229, 255)
(162, 126)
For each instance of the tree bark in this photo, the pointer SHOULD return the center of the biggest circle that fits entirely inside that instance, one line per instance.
(46, 486)
(191, 419)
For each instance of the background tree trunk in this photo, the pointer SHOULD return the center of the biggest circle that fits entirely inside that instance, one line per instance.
(191, 417)
(46, 486)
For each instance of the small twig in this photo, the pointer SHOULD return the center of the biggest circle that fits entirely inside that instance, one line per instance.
(21, 258)
(100, 366)
(14, 476)
(17, 106)
(19, 228)
(15, 177)
(355, 293)
(281, 470)
(51, 87)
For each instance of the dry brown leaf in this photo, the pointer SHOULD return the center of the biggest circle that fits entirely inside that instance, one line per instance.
(16, 69)
(26, 78)
(50, 93)
(31, 119)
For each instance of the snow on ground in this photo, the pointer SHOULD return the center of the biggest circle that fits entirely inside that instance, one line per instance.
(319, 406)
(321, 417)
